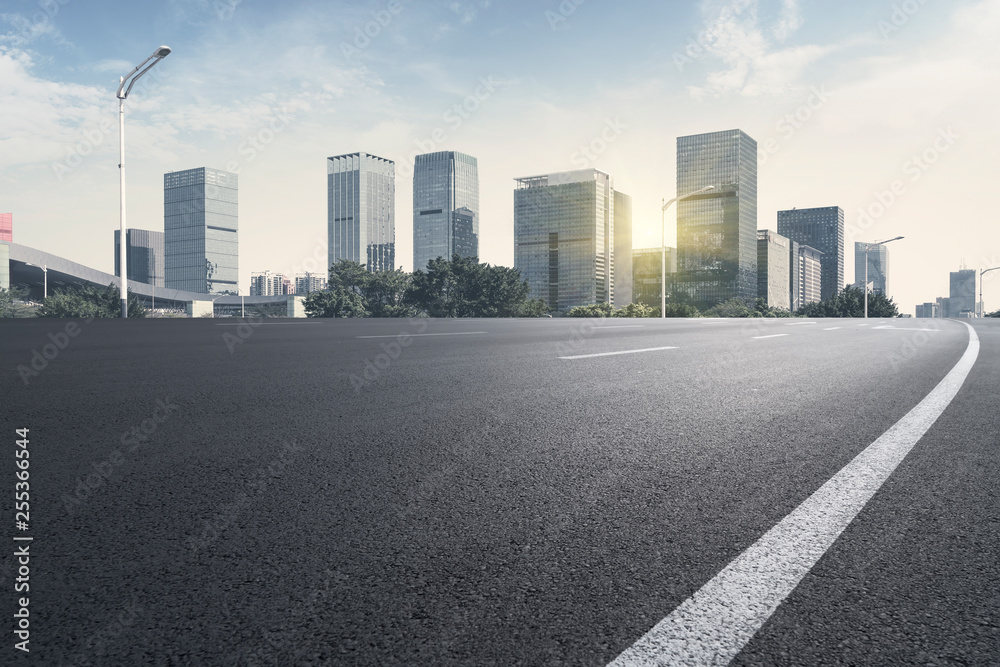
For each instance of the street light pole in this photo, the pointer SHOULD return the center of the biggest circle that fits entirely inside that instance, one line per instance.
(663, 246)
(982, 308)
(123, 92)
(869, 246)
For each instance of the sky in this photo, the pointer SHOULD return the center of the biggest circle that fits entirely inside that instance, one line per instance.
(886, 109)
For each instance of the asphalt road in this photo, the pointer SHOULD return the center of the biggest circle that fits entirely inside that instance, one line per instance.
(458, 492)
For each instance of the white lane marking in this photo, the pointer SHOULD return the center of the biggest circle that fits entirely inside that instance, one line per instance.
(864, 325)
(712, 626)
(611, 354)
(623, 326)
(798, 324)
(832, 328)
(453, 333)
(905, 328)
(257, 324)
(771, 336)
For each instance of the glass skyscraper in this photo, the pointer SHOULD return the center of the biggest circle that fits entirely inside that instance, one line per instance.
(361, 210)
(200, 237)
(878, 267)
(564, 234)
(962, 294)
(145, 254)
(623, 249)
(445, 207)
(647, 268)
(717, 230)
(822, 229)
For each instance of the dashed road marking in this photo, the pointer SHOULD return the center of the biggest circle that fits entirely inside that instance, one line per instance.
(452, 333)
(611, 354)
(771, 336)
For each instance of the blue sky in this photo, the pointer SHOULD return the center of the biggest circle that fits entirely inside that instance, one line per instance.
(272, 89)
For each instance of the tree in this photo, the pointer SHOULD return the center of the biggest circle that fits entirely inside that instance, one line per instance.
(9, 306)
(534, 308)
(337, 302)
(634, 310)
(90, 301)
(678, 310)
(384, 294)
(464, 287)
(849, 302)
(994, 314)
(730, 308)
(593, 310)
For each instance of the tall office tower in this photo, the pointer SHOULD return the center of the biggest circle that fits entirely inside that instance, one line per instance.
(7, 227)
(647, 268)
(822, 229)
(717, 230)
(623, 249)
(309, 282)
(962, 296)
(445, 202)
(564, 237)
(927, 310)
(878, 267)
(943, 306)
(200, 233)
(806, 273)
(774, 261)
(361, 210)
(145, 256)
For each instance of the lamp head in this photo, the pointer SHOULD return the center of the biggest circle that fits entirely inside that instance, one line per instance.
(162, 52)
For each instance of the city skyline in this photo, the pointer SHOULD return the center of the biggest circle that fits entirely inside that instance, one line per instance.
(835, 97)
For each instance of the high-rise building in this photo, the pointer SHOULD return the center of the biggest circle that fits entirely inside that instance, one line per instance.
(200, 231)
(927, 310)
(144, 249)
(962, 296)
(309, 282)
(647, 268)
(806, 273)
(265, 283)
(445, 207)
(361, 210)
(774, 261)
(564, 237)
(623, 249)
(823, 230)
(7, 227)
(878, 267)
(717, 230)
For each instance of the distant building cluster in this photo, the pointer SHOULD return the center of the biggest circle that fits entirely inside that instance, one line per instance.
(265, 283)
(961, 299)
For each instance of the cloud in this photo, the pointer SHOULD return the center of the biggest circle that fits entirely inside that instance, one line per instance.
(754, 65)
(24, 30)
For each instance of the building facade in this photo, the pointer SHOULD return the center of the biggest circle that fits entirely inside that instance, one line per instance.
(265, 283)
(717, 230)
(823, 230)
(361, 210)
(806, 273)
(647, 268)
(774, 261)
(623, 249)
(145, 256)
(309, 282)
(200, 231)
(928, 310)
(445, 207)
(962, 296)
(878, 267)
(564, 237)
(7, 227)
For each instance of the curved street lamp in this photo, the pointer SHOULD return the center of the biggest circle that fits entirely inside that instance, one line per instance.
(45, 274)
(982, 308)
(869, 246)
(123, 92)
(663, 246)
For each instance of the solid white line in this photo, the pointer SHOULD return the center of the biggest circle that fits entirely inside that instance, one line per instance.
(771, 336)
(798, 324)
(611, 354)
(713, 625)
(832, 328)
(453, 333)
